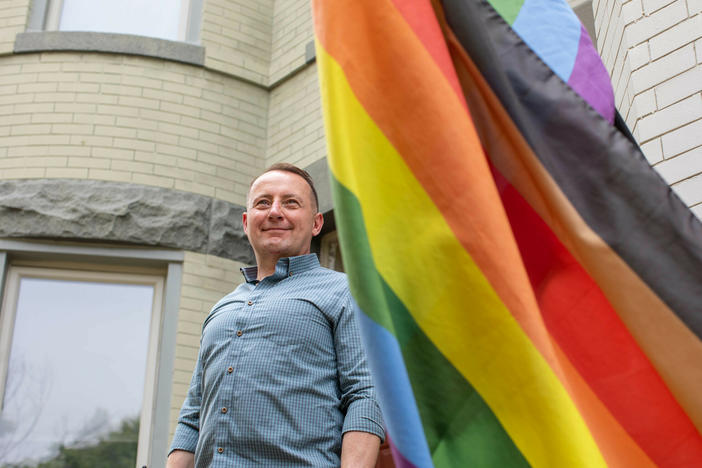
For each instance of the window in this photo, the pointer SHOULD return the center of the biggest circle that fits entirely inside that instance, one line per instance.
(176, 20)
(87, 350)
(80, 364)
(153, 18)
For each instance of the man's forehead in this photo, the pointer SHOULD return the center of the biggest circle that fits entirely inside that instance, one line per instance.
(279, 182)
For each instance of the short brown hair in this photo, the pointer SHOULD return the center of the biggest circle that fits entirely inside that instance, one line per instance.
(287, 167)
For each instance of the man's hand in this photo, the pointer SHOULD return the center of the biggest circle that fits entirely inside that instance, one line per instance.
(359, 449)
(181, 459)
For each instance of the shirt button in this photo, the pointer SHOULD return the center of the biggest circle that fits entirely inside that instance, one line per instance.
(230, 370)
(220, 450)
(224, 410)
(250, 303)
(239, 333)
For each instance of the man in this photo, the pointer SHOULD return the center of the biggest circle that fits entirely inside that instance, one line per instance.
(281, 377)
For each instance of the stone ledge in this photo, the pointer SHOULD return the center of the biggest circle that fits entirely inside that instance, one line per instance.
(42, 41)
(121, 212)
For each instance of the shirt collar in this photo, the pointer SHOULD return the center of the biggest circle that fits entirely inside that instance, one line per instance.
(287, 266)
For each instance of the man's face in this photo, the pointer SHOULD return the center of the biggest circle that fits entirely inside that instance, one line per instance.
(281, 217)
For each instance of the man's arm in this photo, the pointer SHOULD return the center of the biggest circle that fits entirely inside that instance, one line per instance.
(359, 450)
(363, 421)
(181, 459)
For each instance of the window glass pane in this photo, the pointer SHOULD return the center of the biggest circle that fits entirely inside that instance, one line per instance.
(75, 379)
(153, 18)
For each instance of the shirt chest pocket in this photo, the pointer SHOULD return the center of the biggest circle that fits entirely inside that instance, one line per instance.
(297, 323)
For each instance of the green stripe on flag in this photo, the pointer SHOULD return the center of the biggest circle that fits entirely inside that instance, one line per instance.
(459, 426)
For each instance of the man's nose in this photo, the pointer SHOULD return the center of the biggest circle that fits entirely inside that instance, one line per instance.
(276, 210)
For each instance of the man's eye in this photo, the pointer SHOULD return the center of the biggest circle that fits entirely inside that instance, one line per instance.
(292, 203)
(263, 203)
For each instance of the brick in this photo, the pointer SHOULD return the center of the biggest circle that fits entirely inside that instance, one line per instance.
(201, 124)
(94, 119)
(115, 131)
(650, 6)
(134, 144)
(156, 181)
(698, 50)
(176, 150)
(178, 109)
(90, 140)
(37, 88)
(56, 76)
(163, 95)
(159, 116)
(16, 98)
(656, 23)
(73, 129)
(112, 175)
(96, 98)
(682, 139)
(55, 97)
(676, 37)
(31, 129)
(670, 118)
(157, 159)
(142, 82)
(690, 190)
(76, 108)
(681, 167)
(113, 153)
(132, 101)
(118, 110)
(194, 187)
(68, 150)
(177, 130)
(679, 87)
(53, 117)
(638, 56)
(644, 103)
(67, 173)
(120, 90)
(695, 6)
(662, 69)
(88, 162)
(22, 173)
(157, 137)
(15, 119)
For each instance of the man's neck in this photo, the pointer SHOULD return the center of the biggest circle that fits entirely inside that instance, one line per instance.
(266, 267)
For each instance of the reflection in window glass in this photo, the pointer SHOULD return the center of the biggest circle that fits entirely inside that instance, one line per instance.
(75, 379)
(153, 18)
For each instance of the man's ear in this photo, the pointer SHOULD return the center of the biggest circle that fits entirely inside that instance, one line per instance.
(244, 221)
(318, 223)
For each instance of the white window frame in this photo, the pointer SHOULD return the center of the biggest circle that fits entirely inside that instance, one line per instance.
(46, 16)
(9, 312)
(20, 259)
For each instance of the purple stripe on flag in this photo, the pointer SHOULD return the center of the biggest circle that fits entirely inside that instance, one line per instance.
(590, 79)
(397, 457)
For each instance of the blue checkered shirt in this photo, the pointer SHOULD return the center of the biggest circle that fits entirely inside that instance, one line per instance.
(281, 373)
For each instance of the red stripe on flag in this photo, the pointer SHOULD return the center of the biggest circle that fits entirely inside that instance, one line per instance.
(593, 337)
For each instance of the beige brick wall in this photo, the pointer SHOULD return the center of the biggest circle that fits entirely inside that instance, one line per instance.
(237, 37)
(130, 119)
(652, 49)
(206, 279)
(292, 31)
(13, 20)
(295, 125)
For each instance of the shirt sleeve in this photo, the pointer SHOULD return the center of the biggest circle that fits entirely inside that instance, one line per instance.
(358, 399)
(188, 428)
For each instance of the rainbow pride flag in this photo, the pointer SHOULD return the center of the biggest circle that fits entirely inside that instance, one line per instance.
(531, 289)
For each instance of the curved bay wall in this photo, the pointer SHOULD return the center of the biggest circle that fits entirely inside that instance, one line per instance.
(130, 119)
